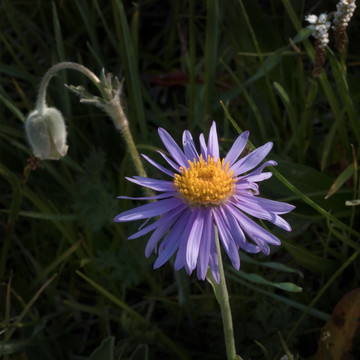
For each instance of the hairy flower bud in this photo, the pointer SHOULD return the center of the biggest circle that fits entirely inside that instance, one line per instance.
(46, 133)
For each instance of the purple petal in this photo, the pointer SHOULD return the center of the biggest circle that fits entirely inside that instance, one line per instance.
(169, 161)
(256, 175)
(172, 147)
(243, 186)
(155, 184)
(277, 207)
(255, 210)
(237, 148)
(214, 262)
(237, 232)
(261, 168)
(149, 210)
(193, 244)
(156, 236)
(168, 219)
(180, 260)
(181, 255)
(159, 196)
(172, 240)
(189, 147)
(259, 235)
(158, 166)
(203, 146)
(213, 143)
(252, 160)
(226, 238)
(260, 177)
(207, 239)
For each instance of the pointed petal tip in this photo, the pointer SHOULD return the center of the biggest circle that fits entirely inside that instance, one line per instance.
(117, 219)
(216, 276)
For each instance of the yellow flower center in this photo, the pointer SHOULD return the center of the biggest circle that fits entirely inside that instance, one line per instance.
(205, 183)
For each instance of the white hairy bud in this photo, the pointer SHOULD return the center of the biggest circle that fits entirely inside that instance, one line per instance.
(46, 133)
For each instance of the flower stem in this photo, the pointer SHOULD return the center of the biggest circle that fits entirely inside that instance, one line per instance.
(41, 101)
(117, 114)
(222, 296)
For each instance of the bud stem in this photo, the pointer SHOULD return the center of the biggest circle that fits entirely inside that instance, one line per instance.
(117, 114)
(41, 101)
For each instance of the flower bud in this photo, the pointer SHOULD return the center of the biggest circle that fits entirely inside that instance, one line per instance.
(46, 133)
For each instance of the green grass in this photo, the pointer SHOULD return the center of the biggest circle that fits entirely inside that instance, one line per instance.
(69, 278)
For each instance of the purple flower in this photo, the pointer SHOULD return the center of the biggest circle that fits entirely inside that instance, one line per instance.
(204, 191)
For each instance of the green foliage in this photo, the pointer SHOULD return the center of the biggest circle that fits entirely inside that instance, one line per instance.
(117, 267)
(70, 279)
(94, 189)
(105, 351)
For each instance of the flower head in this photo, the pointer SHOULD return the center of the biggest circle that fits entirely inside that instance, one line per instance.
(319, 27)
(344, 12)
(206, 191)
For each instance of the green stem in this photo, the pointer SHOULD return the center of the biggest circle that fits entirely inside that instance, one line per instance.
(222, 296)
(117, 114)
(41, 101)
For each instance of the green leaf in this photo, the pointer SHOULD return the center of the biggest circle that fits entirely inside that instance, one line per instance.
(211, 49)
(291, 114)
(307, 180)
(269, 64)
(257, 279)
(329, 141)
(141, 353)
(302, 35)
(340, 180)
(282, 299)
(129, 63)
(270, 264)
(308, 260)
(105, 351)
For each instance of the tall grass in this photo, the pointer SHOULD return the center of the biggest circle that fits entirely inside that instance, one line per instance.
(70, 281)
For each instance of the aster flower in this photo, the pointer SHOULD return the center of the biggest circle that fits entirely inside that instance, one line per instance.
(206, 190)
